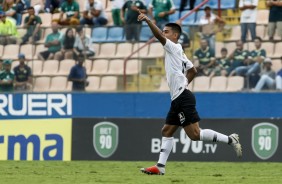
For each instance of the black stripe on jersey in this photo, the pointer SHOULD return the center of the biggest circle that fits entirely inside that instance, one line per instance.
(183, 67)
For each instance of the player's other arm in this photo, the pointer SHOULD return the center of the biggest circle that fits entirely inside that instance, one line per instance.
(155, 30)
(191, 73)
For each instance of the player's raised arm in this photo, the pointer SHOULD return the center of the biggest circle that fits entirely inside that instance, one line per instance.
(155, 30)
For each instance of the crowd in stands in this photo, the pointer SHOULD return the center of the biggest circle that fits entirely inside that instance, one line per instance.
(72, 42)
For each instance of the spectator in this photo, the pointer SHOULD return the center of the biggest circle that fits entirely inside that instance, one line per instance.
(7, 77)
(116, 8)
(53, 44)
(52, 6)
(222, 64)
(255, 59)
(132, 26)
(83, 44)
(71, 9)
(279, 78)
(78, 76)
(8, 30)
(208, 29)
(67, 46)
(32, 22)
(184, 38)
(239, 57)
(267, 77)
(205, 58)
(10, 9)
(275, 18)
(162, 9)
(22, 73)
(21, 6)
(97, 13)
(248, 18)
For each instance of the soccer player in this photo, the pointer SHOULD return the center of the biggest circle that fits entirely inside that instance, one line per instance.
(179, 72)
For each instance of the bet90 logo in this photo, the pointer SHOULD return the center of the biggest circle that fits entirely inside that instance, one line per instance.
(105, 138)
(265, 140)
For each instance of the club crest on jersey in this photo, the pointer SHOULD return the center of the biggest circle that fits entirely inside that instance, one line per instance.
(181, 117)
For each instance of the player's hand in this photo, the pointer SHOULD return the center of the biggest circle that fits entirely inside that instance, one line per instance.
(142, 16)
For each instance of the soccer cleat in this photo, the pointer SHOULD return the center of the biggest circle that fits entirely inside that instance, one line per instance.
(154, 170)
(236, 144)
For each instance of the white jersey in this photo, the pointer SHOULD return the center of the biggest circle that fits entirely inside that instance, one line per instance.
(176, 66)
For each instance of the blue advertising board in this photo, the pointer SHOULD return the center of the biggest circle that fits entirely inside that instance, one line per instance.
(137, 105)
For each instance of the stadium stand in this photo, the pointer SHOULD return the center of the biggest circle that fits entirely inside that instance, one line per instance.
(155, 50)
(235, 83)
(218, 84)
(11, 52)
(141, 53)
(41, 84)
(190, 20)
(94, 83)
(115, 67)
(123, 50)
(100, 67)
(107, 50)
(133, 67)
(115, 34)
(201, 84)
(88, 65)
(65, 66)
(36, 67)
(28, 50)
(145, 34)
(50, 68)
(58, 83)
(111, 50)
(108, 83)
(99, 34)
(277, 50)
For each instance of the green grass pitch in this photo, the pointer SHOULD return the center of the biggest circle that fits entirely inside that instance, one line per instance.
(106, 172)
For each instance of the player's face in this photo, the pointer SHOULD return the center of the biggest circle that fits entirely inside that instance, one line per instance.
(169, 34)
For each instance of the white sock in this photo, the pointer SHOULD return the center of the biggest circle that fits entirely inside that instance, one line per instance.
(166, 147)
(213, 136)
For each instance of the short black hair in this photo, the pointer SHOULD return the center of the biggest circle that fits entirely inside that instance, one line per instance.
(258, 38)
(175, 28)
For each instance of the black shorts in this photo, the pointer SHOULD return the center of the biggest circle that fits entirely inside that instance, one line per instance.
(182, 110)
(45, 54)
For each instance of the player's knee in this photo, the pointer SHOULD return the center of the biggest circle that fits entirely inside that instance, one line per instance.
(166, 132)
(195, 135)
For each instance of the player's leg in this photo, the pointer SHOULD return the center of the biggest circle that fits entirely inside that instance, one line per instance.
(171, 125)
(190, 118)
(166, 147)
(194, 132)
